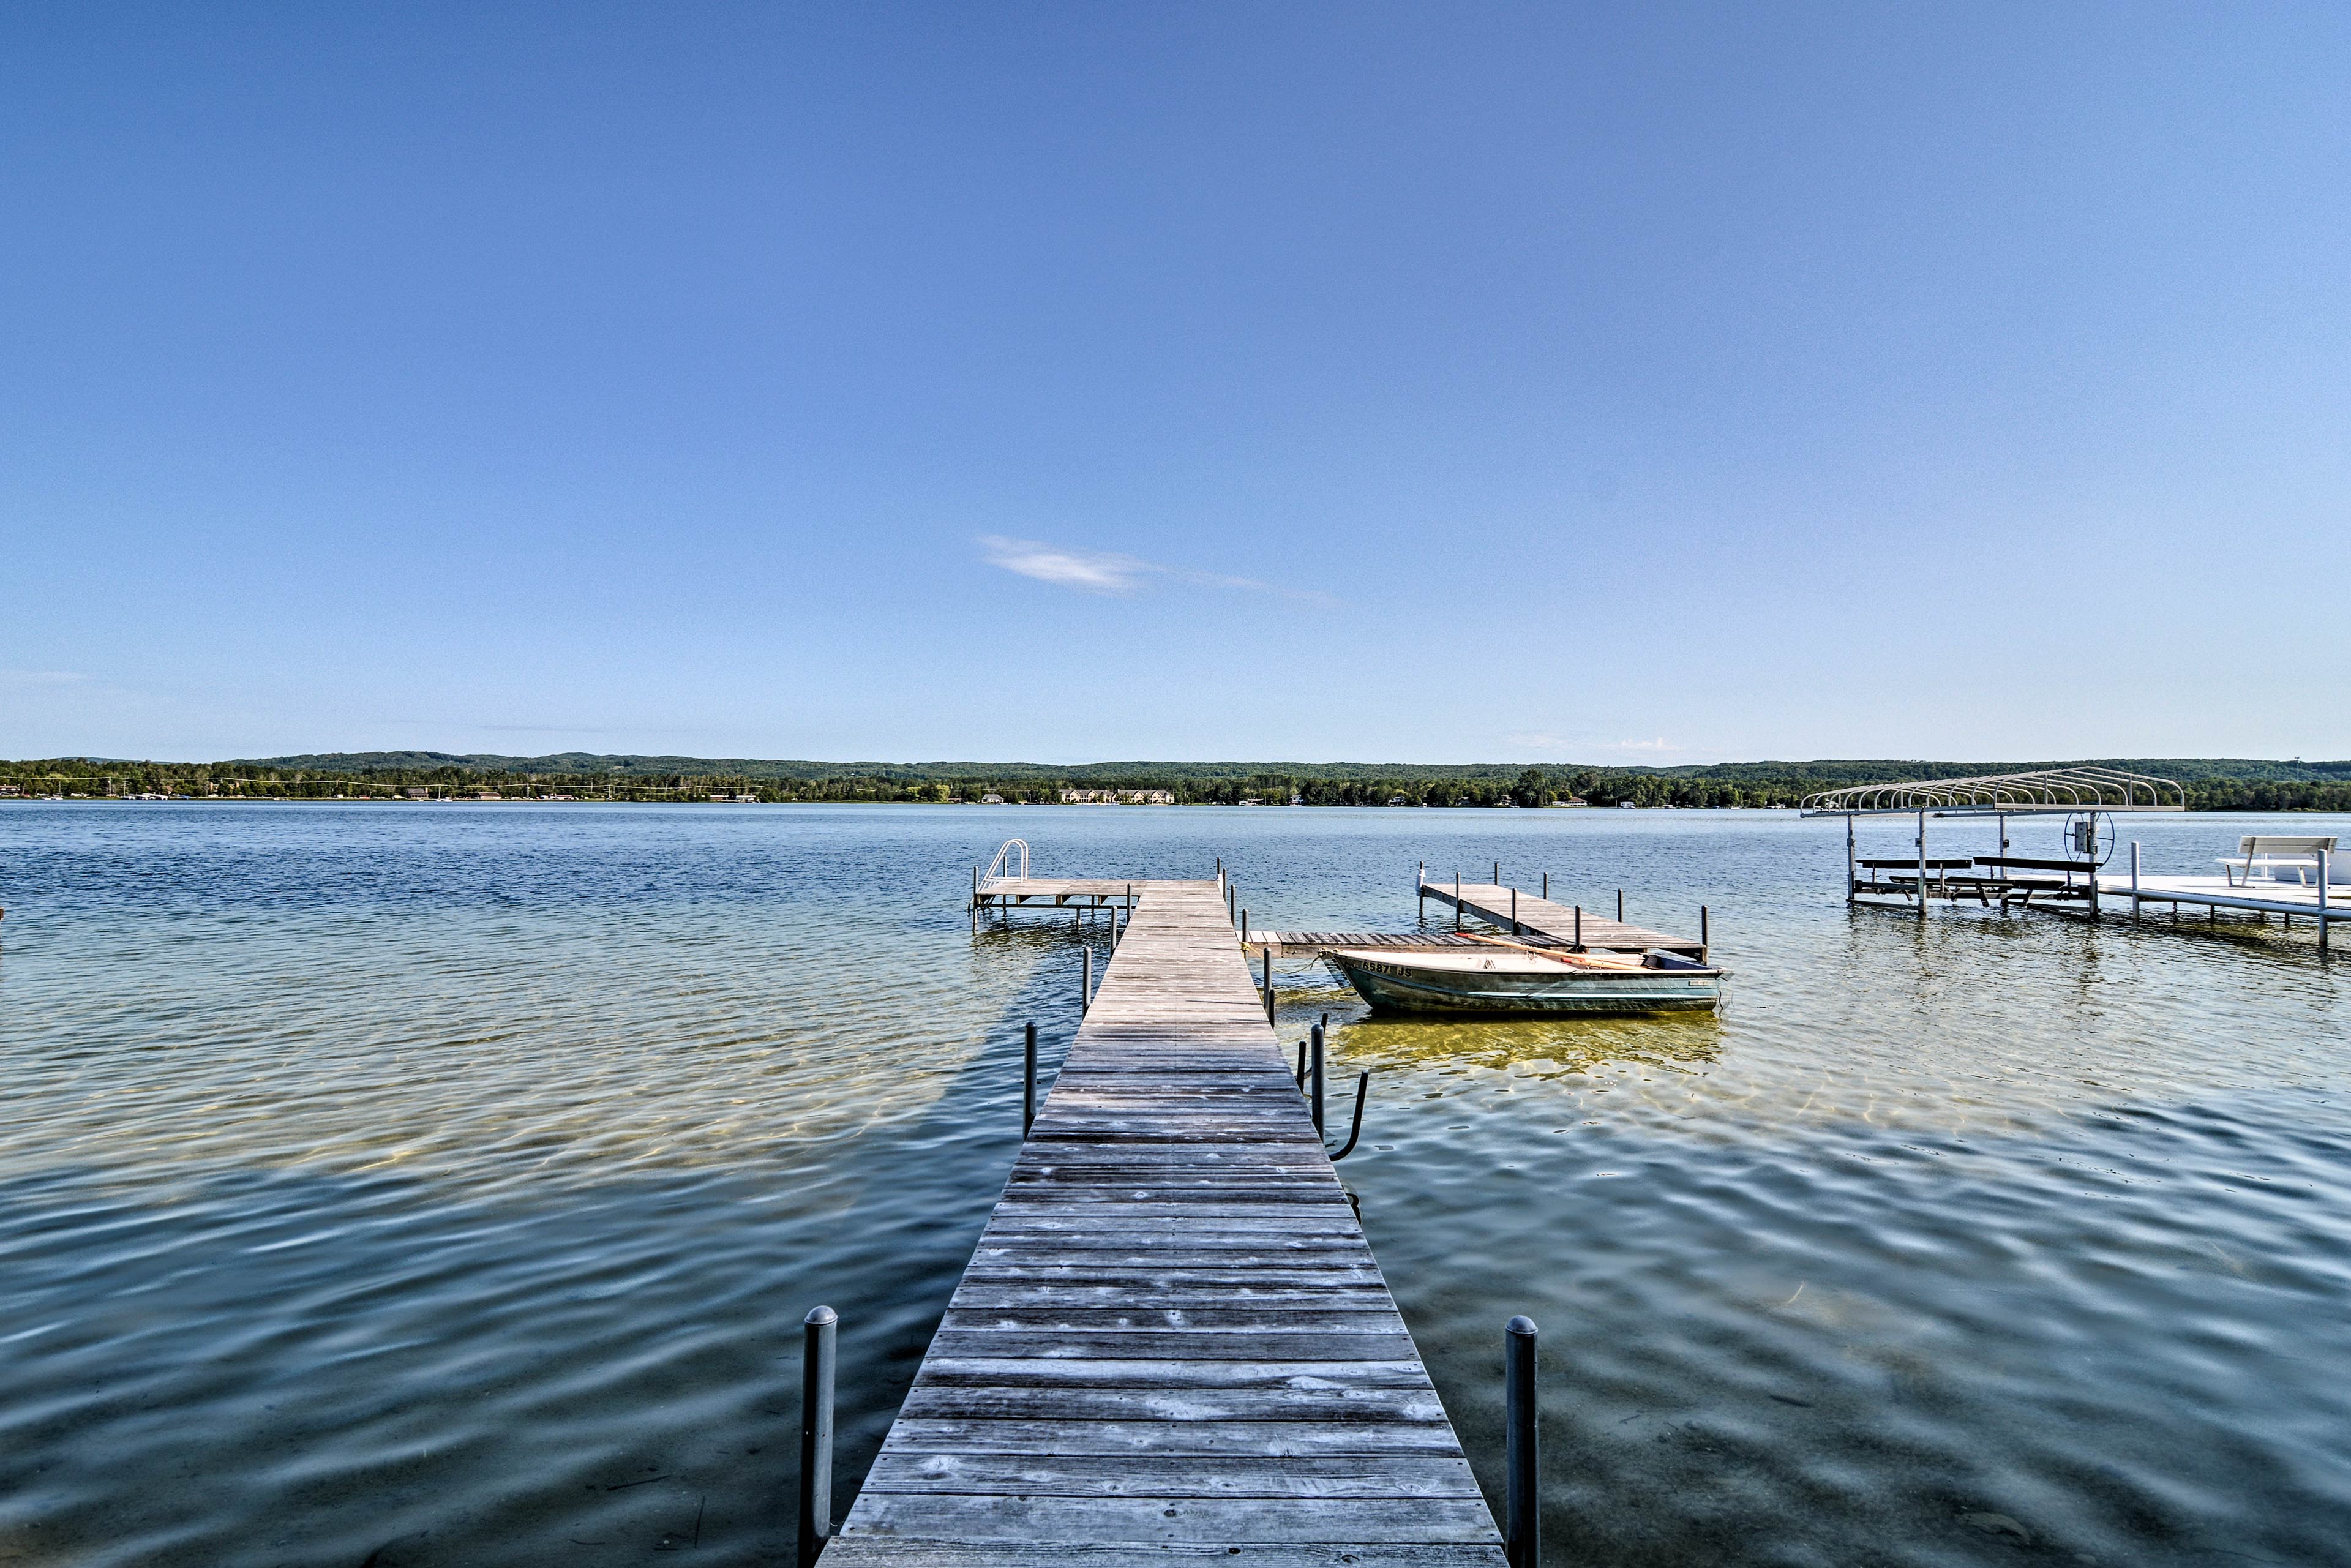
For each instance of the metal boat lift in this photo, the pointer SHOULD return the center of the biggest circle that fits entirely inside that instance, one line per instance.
(2086, 793)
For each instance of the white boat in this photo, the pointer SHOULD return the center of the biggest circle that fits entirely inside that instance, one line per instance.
(1513, 978)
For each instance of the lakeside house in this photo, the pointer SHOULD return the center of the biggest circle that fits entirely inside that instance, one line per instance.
(1113, 798)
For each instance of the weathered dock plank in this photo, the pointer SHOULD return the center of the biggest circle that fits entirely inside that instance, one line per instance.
(1173, 1340)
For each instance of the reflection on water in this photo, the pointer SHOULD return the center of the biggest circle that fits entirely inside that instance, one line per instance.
(444, 1186)
(1536, 1045)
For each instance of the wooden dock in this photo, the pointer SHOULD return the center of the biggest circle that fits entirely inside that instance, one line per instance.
(1512, 909)
(1173, 1341)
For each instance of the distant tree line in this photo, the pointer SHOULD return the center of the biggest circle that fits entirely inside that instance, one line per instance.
(2321, 787)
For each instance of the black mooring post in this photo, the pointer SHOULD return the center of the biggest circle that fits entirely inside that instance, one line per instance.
(1268, 985)
(1705, 939)
(1028, 1083)
(1578, 928)
(1524, 1507)
(1314, 1072)
(816, 1433)
(1302, 1067)
(1620, 906)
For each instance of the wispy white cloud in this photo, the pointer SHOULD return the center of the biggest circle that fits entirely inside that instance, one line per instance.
(1086, 570)
(1660, 743)
(1096, 571)
(22, 678)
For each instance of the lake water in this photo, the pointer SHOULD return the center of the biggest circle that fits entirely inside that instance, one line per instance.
(445, 1184)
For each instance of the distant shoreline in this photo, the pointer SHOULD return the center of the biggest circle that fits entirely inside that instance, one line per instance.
(2209, 784)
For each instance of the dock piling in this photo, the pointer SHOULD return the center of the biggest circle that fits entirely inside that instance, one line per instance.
(1620, 906)
(1457, 901)
(1523, 1531)
(2135, 886)
(1086, 992)
(1302, 1067)
(816, 1431)
(1546, 887)
(2326, 871)
(1515, 929)
(1268, 985)
(1028, 1081)
(1704, 940)
(1314, 1071)
(1578, 928)
(1922, 866)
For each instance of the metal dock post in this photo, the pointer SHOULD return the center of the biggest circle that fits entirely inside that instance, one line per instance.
(816, 1432)
(1029, 1081)
(2134, 883)
(2326, 871)
(1522, 1533)
(1314, 1072)
(1086, 994)
(1922, 866)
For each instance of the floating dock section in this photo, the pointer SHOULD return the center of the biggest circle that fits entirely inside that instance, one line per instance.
(1173, 1342)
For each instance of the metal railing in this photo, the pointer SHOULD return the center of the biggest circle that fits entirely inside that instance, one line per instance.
(999, 869)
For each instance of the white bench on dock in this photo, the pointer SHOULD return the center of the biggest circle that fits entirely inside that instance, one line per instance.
(2271, 851)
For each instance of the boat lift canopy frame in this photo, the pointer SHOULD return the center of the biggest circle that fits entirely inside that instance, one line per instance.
(2087, 792)
(2068, 789)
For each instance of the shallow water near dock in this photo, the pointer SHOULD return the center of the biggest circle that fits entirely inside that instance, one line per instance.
(445, 1184)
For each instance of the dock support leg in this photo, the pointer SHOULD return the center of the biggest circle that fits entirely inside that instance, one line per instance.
(1546, 887)
(1848, 857)
(1922, 866)
(1457, 901)
(1578, 928)
(816, 1432)
(1516, 930)
(1268, 985)
(2133, 881)
(2326, 871)
(1086, 992)
(2093, 865)
(1314, 1072)
(1523, 1510)
(1028, 1081)
(1620, 906)
(1705, 936)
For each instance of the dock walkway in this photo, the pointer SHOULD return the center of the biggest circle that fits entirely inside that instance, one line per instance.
(1173, 1341)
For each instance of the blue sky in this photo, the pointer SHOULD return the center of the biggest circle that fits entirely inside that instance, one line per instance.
(1567, 384)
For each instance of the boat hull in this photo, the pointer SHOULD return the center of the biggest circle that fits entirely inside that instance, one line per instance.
(1391, 985)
